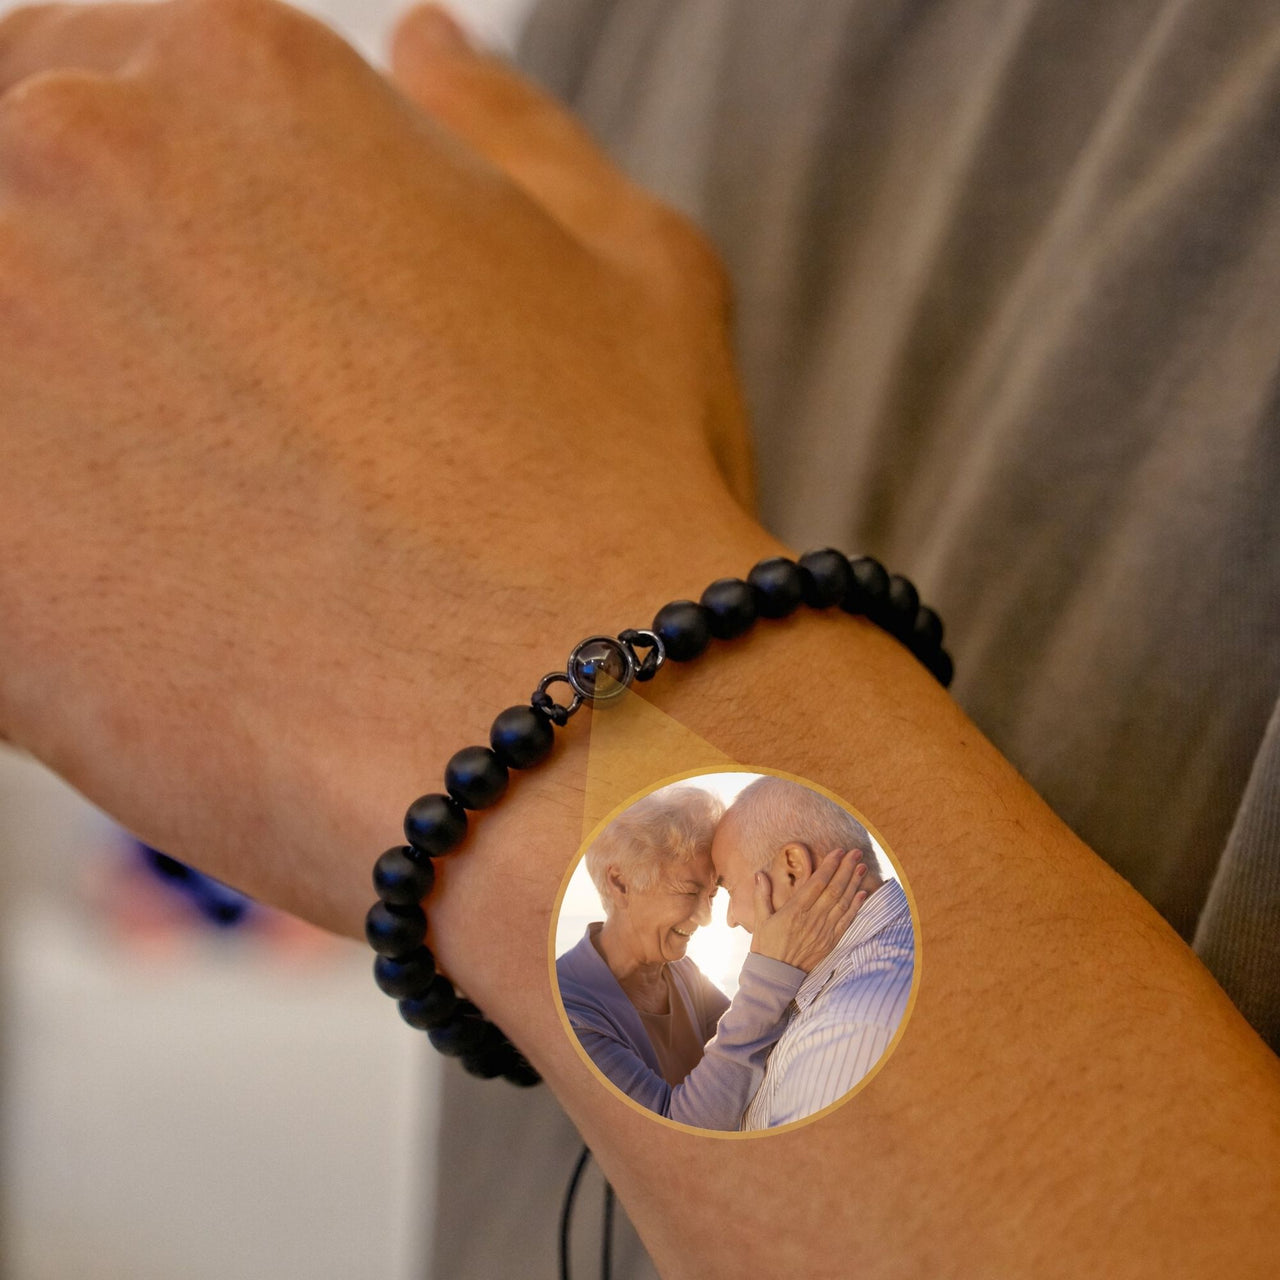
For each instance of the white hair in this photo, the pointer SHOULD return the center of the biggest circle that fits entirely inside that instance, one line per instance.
(670, 827)
(772, 812)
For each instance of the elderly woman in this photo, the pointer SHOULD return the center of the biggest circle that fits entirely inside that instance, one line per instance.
(645, 1013)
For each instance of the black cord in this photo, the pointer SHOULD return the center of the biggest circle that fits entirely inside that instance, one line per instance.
(566, 1213)
(606, 1239)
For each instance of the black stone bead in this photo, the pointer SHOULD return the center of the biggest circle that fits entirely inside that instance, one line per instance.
(941, 667)
(405, 976)
(435, 824)
(492, 1054)
(403, 877)
(475, 777)
(522, 1074)
(169, 868)
(778, 587)
(488, 1064)
(521, 737)
(433, 1008)
(684, 627)
(926, 631)
(463, 1033)
(395, 931)
(731, 607)
(868, 589)
(901, 604)
(824, 577)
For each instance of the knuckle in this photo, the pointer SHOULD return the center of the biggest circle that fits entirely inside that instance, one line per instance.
(17, 24)
(32, 37)
(226, 16)
(76, 125)
(691, 257)
(253, 34)
(63, 114)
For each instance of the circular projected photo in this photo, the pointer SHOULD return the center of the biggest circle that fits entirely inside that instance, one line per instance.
(735, 951)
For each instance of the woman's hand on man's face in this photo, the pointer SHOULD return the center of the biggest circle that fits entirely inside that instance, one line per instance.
(812, 920)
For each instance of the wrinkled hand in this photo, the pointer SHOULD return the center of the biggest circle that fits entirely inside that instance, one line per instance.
(326, 420)
(805, 928)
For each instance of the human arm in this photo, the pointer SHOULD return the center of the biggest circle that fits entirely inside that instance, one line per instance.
(318, 399)
(738, 1034)
(716, 1091)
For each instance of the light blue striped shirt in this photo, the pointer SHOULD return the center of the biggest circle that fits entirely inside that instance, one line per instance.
(843, 1016)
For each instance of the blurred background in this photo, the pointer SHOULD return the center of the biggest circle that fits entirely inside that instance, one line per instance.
(191, 1086)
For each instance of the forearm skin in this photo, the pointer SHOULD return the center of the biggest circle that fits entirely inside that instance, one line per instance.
(1073, 1093)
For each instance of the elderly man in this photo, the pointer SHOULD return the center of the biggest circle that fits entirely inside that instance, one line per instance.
(642, 1008)
(848, 1008)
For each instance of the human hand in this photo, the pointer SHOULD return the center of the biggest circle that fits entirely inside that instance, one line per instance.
(805, 928)
(312, 418)
(548, 154)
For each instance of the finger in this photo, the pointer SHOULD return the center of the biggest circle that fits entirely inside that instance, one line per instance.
(853, 884)
(515, 125)
(763, 893)
(849, 914)
(849, 874)
(70, 37)
(844, 886)
(828, 877)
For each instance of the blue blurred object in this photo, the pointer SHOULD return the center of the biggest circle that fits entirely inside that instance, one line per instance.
(216, 902)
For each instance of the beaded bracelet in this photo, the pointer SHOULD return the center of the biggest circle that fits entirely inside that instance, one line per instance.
(599, 669)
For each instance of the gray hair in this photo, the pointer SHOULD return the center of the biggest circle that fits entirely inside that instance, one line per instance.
(772, 812)
(670, 827)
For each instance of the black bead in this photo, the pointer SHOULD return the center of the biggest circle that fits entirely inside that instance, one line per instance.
(521, 737)
(435, 824)
(731, 607)
(868, 588)
(409, 975)
(433, 1008)
(489, 1063)
(824, 577)
(169, 868)
(941, 667)
(463, 1033)
(684, 627)
(522, 1074)
(777, 584)
(403, 877)
(901, 604)
(395, 931)
(492, 1054)
(475, 777)
(926, 631)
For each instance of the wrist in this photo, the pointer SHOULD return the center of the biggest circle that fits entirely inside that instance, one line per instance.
(492, 905)
(418, 680)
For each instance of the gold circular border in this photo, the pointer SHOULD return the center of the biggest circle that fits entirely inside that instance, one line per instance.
(677, 1125)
